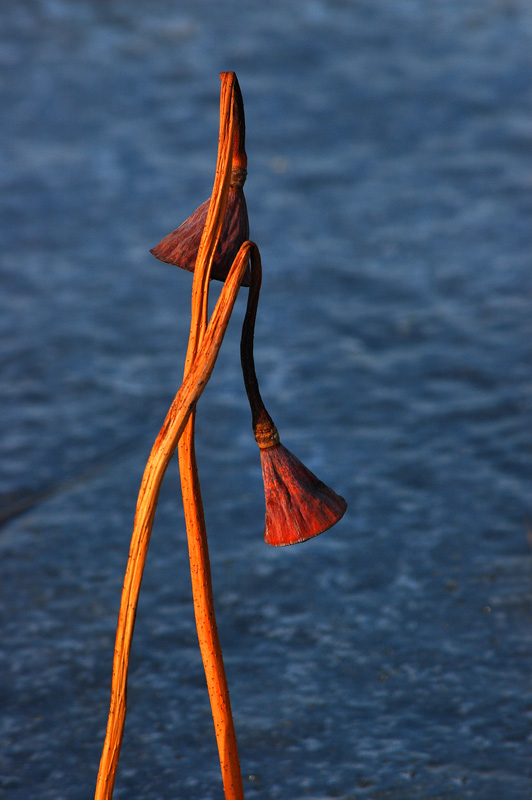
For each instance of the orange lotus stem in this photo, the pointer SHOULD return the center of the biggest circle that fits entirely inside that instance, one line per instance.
(159, 458)
(179, 422)
(207, 630)
(213, 243)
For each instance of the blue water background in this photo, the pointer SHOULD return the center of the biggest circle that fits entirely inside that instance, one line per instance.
(390, 193)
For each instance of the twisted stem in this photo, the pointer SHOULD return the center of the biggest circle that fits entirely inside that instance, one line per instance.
(231, 137)
(159, 458)
(204, 344)
(264, 428)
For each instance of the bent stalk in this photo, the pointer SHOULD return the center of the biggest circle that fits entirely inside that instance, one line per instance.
(204, 344)
(159, 458)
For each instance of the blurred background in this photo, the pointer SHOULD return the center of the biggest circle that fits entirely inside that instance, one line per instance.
(389, 190)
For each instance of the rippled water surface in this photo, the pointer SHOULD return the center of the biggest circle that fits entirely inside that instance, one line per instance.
(389, 190)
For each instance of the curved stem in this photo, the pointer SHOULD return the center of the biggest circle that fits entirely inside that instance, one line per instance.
(159, 458)
(198, 367)
(215, 217)
(231, 132)
(208, 638)
(264, 428)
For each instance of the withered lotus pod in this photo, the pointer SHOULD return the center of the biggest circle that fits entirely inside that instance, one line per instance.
(181, 246)
(298, 505)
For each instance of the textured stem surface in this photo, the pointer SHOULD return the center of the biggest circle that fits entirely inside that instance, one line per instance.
(209, 643)
(203, 347)
(160, 456)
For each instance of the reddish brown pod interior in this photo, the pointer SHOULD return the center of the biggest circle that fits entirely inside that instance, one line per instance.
(298, 505)
(181, 246)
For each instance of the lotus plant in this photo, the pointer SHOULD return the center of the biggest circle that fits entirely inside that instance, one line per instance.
(298, 505)
(213, 243)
